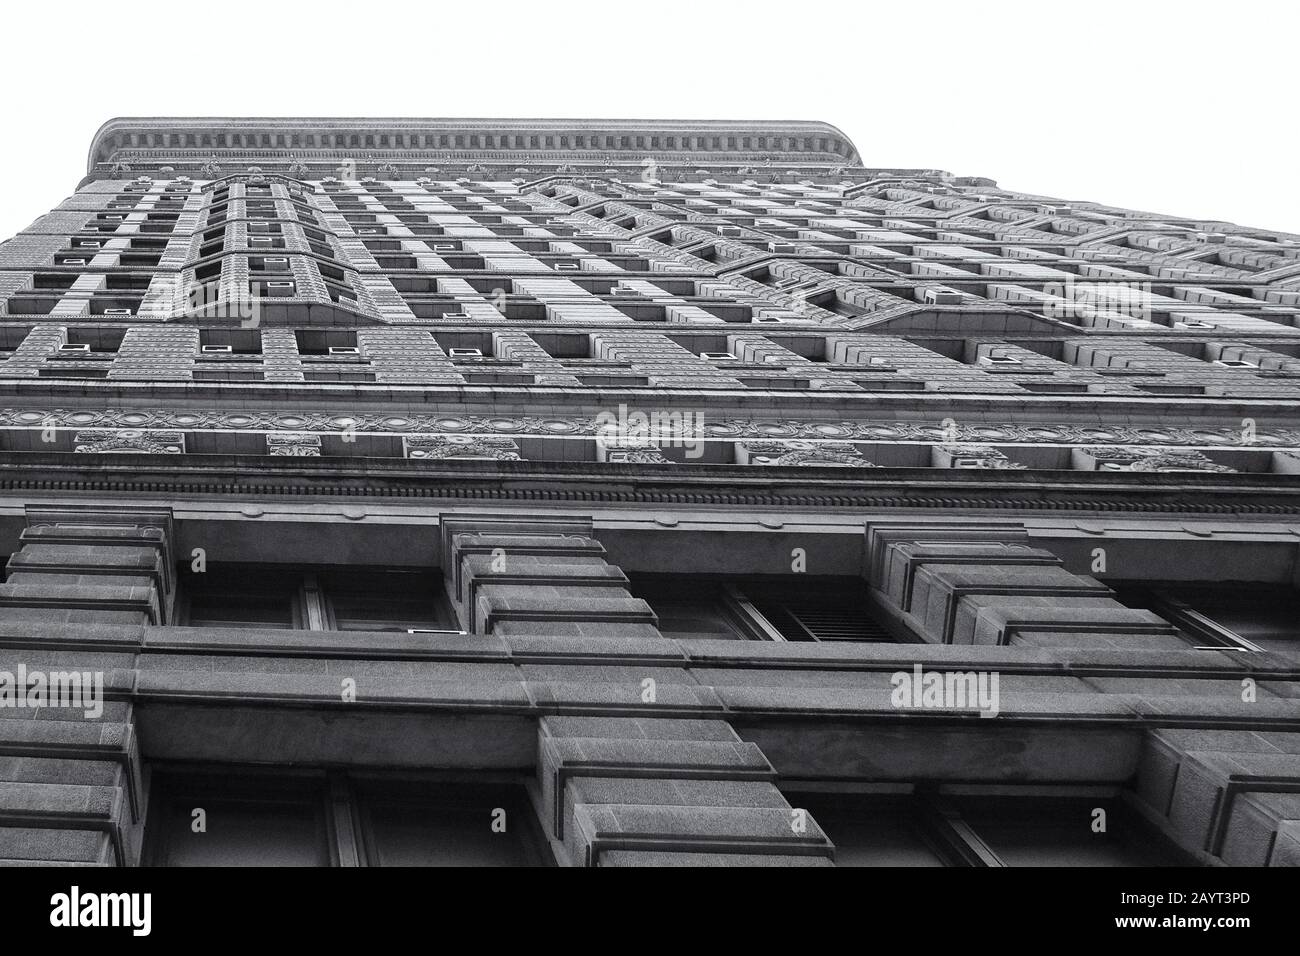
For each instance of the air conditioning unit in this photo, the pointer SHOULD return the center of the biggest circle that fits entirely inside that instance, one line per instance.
(444, 247)
(941, 297)
(618, 457)
(117, 312)
(718, 357)
(1212, 237)
(88, 243)
(728, 230)
(1235, 363)
(259, 240)
(623, 291)
(80, 347)
(74, 262)
(281, 285)
(1194, 325)
(455, 315)
(1002, 360)
(344, 350)
(216, 349)
(566, 267)
(783, 248)
(275, 261)
(465, 353)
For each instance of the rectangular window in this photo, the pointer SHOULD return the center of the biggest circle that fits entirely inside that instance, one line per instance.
(219, 819)
(1254, 617)
(928, 829)
(818, 609)
(235, 596)
(360, 600)
(447, 824)
(320, 599)
(237, 816)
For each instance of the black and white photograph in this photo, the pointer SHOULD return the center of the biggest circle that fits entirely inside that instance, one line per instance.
(649, 436)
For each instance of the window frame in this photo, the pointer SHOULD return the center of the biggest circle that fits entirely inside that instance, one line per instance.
(338, 798)
(311, 606)
(741, 611)
(1196, 626)
(944, 829)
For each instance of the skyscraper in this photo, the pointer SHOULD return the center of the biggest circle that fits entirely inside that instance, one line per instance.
(632, 493)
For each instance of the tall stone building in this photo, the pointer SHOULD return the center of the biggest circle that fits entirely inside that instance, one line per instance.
(628, 492)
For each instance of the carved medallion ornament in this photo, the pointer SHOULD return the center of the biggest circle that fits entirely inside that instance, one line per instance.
(970, 456)
(459, 447)
(1144, 459)
(789, 453)
(293, 444)
(129, 441)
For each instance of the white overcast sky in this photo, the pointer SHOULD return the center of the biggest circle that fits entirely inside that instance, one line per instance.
(1185, 108)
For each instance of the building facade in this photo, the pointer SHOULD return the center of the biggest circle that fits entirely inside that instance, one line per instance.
(631, 493)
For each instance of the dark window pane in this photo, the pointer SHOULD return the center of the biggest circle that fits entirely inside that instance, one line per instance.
(271, 823)
(442, 824)
(1267, 617)
(239, 596)
(1056, 832)
(687, 608)
(217, 609)
(870, 831)
(386, 600)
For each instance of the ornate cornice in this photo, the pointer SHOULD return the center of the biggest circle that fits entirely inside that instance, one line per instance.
(671, 486)
(554, 140)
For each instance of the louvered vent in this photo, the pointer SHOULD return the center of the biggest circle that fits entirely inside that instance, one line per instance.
(830, 616)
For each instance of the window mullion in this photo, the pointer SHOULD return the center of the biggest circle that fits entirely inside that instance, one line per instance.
(315, 607)
(752, 619)
(343, 830)
(943, 820)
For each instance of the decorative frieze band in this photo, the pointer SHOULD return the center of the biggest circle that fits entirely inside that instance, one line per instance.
(946, 433)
